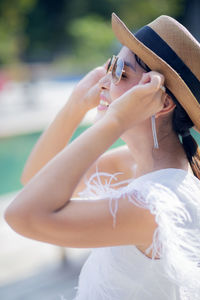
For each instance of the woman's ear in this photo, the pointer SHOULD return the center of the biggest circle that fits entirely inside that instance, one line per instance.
(168, 106)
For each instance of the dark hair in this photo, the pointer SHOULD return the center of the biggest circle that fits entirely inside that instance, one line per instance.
(181, 124)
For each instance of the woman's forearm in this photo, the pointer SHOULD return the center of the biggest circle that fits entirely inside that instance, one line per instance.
(51, 189)
(54, 139)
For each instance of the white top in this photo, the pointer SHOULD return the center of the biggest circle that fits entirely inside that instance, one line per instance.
(125, 273)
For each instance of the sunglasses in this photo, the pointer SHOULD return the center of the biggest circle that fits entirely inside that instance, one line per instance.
(116, 67)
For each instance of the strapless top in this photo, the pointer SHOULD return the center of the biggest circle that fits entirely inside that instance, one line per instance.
(124, 272)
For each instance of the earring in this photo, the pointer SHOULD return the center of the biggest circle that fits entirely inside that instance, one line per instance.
(153, 124)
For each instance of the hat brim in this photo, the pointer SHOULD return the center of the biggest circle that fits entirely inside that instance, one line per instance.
(172, 79)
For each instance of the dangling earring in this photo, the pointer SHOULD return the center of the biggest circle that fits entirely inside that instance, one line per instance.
(153, 124)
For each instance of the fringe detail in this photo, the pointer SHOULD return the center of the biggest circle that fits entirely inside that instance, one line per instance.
(177, 213)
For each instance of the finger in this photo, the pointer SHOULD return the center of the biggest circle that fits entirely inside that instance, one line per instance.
(163, 88)
(162, 96)
(145, 78)
(152, 81)
(156, 81)
(97, 74)
(92, 77)
(155, 73)
(160, 99)
(94, 94)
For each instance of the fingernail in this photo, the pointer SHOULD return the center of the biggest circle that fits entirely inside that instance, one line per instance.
(163, 88)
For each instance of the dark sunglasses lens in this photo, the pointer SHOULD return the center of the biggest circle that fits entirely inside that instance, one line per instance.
(110, 64)
(117, 70)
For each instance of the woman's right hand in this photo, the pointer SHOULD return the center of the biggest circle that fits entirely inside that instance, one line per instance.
(87, 91)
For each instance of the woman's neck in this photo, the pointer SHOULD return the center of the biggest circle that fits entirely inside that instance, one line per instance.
(170, 153)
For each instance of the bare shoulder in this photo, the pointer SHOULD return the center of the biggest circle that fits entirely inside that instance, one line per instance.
(114, 160)
(118, 157)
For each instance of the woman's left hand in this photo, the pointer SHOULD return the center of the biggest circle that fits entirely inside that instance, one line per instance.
(140, 102)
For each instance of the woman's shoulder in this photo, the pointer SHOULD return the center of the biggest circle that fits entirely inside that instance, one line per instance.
(121, 160)
(114, 161)
(118, 153)
(118, 159)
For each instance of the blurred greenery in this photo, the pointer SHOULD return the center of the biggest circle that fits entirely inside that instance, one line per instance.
(12, 28)
(75, 32)
(91, 33)
(140, 12)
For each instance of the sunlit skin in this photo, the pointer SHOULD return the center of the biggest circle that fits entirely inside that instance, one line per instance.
(131, 77)
(47, 199)
(139, 138)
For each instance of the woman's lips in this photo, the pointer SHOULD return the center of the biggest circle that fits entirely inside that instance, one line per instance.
(103, 105)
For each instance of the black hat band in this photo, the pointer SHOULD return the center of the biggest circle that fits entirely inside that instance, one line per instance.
(154, 42)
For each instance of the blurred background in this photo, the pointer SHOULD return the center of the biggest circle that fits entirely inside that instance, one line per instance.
(46, 46)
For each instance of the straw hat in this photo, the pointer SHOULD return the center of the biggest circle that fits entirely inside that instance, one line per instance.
(168, 47)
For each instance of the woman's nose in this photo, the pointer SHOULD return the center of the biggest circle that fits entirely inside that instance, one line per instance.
(104, 82)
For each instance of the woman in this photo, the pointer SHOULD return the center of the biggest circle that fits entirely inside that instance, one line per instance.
(140, 208)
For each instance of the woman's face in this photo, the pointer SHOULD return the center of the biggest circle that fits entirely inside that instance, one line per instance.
(131, 77)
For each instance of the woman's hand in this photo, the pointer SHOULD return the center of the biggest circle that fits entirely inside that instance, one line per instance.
(87, 91)
(140, 102)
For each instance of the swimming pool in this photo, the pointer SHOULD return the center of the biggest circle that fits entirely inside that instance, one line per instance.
(13, 154)
(15, 150)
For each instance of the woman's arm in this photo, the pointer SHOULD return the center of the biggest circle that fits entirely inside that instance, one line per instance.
(53, 140)
(42, 209)
(51, 188)
(84, 97)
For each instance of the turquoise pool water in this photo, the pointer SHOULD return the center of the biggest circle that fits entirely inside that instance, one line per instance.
(13, 154)
(15, 150)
